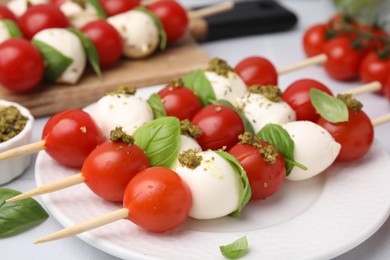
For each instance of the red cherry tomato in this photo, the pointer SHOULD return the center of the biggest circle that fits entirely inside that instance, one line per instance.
(157, 199)
(58, 2)
(41, 16)
(372, 68)
(180, 102)
(6, 13)
(21, 65)
(343, 60)
(220, 127)
(355, 136)
(314, 40)
(109, 168)
(297, 95)
(173, 17)
(113, 7)
(70, 136)
(107, 40)
(265, 179)
(257, 71)
(372, 44)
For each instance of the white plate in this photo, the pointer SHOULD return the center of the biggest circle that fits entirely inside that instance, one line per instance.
(316, 219)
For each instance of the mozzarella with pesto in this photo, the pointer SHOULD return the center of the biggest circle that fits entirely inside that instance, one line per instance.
(315, 148)
(261, 111)
(215, 186)
(121, 110)
(138, 31)
(4, 32)
(77, 15)
(69, 45)
(19, 7)
(187, 142)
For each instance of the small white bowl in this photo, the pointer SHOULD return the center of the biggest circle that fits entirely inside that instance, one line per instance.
(12, 168)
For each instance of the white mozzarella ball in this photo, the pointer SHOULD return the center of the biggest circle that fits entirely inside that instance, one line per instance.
(215, 186)
(70, 46)
(138, 31)
(19, 7)
(315, 148)
(229, 88)
(77, 15)
(4, 33)
(187, 142)
(121, 110)
(261, 111)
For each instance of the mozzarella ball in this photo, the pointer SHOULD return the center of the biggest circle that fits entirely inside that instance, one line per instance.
(314, 147)
(70, 46)
(215, 186)
(77, 15)
(261, 111)
(19, 7)
(228, 87)
(187, 142)
(4, 33)
(121, 110)
(139, 33)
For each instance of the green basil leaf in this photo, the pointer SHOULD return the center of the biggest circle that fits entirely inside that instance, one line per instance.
(236, 249)
(247, 192)
(13, 29)
(18, 216)
(90, 50)
(159, 25)
(248, 126)
(201, 86)
(55, 62)
(280, 138)
(157, 106)
(99, 9)
(160, 139)
(329, 107)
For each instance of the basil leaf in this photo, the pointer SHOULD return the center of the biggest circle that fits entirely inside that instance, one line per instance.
(201, 86)
(160, 139)
(248, 126)
(235, 249)
(329, 107)
(279, 137)
(13, 29)
(55, 62)
(90, 50)
(157, 106)
(247, 192)
(18, 216)
(159, 25)
(99, 9)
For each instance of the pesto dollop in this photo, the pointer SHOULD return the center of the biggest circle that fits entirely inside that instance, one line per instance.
(351, 102)
(267, 151)
(270, 92)
(12, 122)
(220, 67)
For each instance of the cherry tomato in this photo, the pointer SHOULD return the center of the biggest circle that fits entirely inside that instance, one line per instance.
(220, 127)
(343, 60)
(314, 40)
(372, 44)
(113, 7)
(109, 168)
(297, 95)
(58, 2)
(173, 17)
(265, 178)
(373, 68)
(338, 22)
(355, 136)
(257, 70)
(157, 199)
(41, 16)
(6, 13)
(180, 101)
(21, 65)
(70, 136)
(107, 40)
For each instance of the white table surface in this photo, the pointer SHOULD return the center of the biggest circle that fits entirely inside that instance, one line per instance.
(282, 49)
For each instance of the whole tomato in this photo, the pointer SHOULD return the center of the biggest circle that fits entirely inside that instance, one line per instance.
(297, 95)
(107, 40)
(41, 16)
(113, 7)
(374, 68)
(173, 17)
(157, 199)
(314, 40)
(257, 70)
(21, 65)
(6, 13)
(70, 136)
(343, 61)
(220, 127)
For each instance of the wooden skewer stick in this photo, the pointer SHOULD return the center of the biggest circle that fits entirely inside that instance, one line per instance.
(366, 88)
(381, 120)
(50, 187)
(86, 225)
(319, 59)
(211, 10)
(23, 150)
